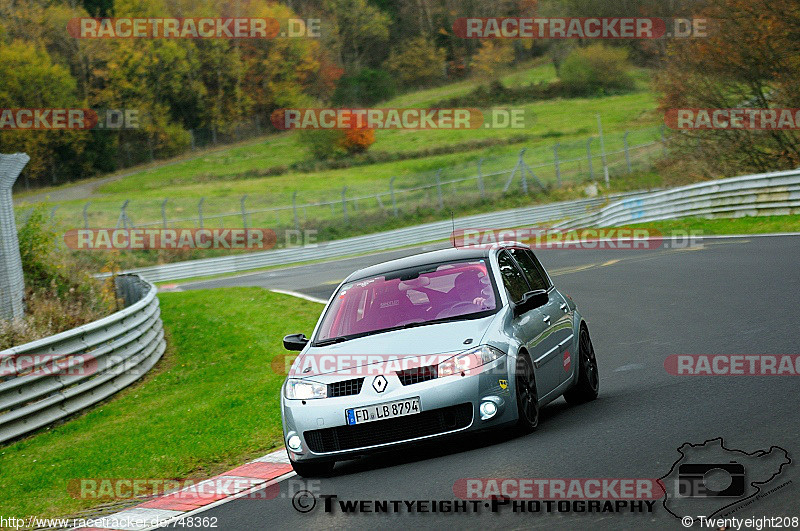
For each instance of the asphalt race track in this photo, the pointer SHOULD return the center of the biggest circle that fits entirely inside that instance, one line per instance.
(729, 296)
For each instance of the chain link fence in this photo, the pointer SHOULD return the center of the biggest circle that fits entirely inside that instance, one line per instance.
(528, 171)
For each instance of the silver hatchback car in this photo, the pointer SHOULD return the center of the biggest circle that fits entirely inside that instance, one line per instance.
(435, 344)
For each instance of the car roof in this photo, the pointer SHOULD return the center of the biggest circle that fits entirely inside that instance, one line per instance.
(432, 257)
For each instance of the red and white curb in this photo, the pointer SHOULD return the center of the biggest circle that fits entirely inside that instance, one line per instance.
(242, 480)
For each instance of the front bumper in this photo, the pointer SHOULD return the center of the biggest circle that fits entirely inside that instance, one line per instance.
(449, 405)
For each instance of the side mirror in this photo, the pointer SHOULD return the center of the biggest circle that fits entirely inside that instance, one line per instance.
(530, 301)
(295, 342)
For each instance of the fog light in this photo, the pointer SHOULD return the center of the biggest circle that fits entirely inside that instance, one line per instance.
(488, 410)
(294, 443)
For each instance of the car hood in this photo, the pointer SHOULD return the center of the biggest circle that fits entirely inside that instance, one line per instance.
(421, 346)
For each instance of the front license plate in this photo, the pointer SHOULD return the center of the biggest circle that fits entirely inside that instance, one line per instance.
(388, 410)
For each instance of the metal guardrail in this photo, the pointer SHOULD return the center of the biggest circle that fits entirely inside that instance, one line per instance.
(750, 195)
(12, 285)
(46, 380)
(418, 234)
(775, 193)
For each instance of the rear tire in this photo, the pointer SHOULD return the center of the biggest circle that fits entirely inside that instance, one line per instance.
(588, 385)
(313, 469)
(526, 395)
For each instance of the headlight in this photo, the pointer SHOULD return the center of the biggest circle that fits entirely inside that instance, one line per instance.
(304, 390)
(469, 360)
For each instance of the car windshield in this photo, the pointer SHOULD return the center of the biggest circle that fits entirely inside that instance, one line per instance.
(448, 291)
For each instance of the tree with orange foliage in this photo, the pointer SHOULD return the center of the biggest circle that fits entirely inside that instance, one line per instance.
(357, 139)
(750, 58)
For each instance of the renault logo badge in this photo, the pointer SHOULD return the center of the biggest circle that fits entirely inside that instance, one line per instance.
(380, 383)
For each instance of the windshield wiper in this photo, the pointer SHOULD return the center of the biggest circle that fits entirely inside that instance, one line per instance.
(451, 319)
(331, 341)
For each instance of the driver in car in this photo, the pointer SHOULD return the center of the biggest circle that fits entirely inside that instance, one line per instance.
(470, 287)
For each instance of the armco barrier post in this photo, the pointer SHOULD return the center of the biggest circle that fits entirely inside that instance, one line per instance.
(344, 203)
(627, 151)
(56, 238)
(294, 211)
(123, 215)
(164, 213)
(12, 285)
(558, 167)
(439, 188)
(391, 192)
(86, 215)
(200, 210)
(480, 181)
(603, 150)
(244, 210)
(519, 165)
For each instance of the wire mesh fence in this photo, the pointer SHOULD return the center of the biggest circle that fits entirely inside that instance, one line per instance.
(529, 171)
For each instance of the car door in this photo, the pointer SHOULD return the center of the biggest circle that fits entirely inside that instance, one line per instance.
(554, 356)
(530, 326)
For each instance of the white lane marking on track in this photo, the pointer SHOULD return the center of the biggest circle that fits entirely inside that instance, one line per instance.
(291, 266)
(630, 367)
(299, 295)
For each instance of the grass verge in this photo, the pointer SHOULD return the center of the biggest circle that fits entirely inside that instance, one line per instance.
(210, 404)
(721, 226)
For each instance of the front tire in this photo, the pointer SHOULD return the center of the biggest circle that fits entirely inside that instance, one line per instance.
(313, 469)
(588, 385)
(526, 395)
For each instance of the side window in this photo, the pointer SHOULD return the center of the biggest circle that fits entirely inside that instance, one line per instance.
(512, 277)
(531, 267)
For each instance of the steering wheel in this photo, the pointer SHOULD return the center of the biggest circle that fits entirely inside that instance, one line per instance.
(449, 312)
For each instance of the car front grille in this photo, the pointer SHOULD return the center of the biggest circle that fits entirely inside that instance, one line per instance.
(345, 387)
(388, 431)
(417, 374)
